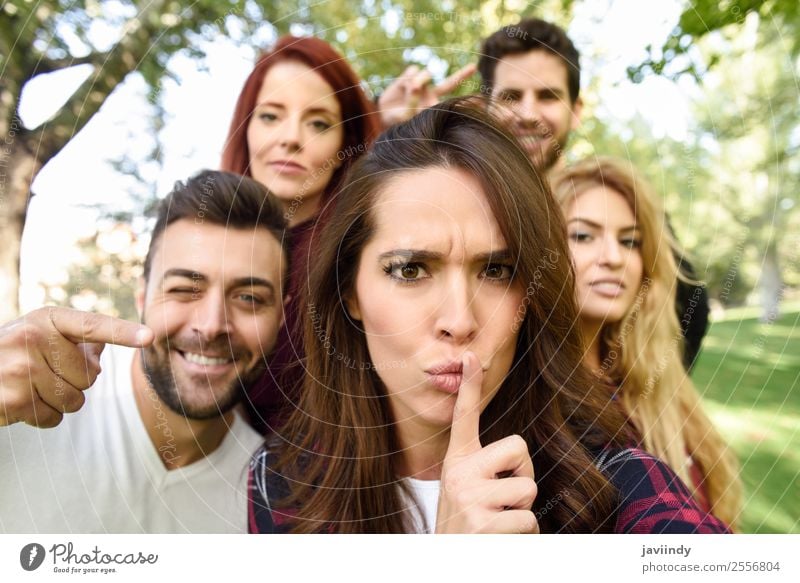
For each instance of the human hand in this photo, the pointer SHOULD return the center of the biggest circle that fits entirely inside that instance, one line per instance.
(412, 91)
(473, 498)
(49, 356)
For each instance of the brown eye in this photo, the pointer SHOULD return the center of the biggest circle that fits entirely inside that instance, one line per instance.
(497, 271)
(409, 271)
(406, 272)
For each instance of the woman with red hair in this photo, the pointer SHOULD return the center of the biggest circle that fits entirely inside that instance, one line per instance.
(301, 118)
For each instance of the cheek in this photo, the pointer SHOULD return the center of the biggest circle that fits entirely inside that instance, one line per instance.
(500, 323)
(260, 332)
(166, 319)
(326, 150)
(635, 267)
(258, 138)
(580, 260)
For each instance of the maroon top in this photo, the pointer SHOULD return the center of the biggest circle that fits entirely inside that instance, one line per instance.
(270, 400)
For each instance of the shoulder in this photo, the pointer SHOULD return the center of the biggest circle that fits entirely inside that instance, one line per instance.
(653, 499)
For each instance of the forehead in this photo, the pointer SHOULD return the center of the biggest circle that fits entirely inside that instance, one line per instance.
(218, 252)
(295, 84)
(602, 205)
(534, 69)
(435, 208)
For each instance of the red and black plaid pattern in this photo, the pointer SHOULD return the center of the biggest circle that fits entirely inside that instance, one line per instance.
(652, 498)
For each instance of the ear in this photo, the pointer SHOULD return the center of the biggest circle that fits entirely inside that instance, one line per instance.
(352, 307)
(577, 110)
(286, 301)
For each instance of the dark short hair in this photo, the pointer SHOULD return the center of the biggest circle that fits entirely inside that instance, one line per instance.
(530, 34)
(220, 198)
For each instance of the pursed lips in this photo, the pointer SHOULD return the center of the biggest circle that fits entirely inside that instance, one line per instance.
(446, 376)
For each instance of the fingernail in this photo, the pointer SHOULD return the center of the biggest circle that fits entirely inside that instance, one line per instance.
(143, 336)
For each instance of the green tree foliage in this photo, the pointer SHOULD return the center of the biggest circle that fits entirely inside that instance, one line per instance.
(124, 37)
(743, 155)
(705, 18)
(113, 39)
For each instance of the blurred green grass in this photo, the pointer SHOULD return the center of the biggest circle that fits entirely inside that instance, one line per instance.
(749, 376)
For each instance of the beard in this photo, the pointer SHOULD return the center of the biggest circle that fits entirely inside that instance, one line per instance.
(192, 398)
(552, 149)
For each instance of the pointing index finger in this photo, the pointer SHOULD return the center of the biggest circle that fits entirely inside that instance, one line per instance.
(465, 431)
(78, 327)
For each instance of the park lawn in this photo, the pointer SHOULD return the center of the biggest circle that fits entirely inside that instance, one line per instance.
(749, 376)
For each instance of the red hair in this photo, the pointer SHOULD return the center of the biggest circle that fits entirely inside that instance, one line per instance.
(361, 123)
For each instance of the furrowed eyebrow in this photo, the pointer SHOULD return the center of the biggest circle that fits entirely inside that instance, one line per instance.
(423, 255)
(411, 254)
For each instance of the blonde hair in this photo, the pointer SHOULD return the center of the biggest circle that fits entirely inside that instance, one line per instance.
(642, 352)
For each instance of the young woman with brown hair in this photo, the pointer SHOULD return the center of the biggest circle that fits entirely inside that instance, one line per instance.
(445, 390)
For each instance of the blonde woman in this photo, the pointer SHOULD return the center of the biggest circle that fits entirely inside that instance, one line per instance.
(626, 274)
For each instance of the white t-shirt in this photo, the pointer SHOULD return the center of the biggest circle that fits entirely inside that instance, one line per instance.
(425, 503)
(98, 471)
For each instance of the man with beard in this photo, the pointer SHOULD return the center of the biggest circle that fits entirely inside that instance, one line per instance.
(157, 445)
(531, 72)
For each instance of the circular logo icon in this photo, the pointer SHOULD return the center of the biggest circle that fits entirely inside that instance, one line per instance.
(31, 556)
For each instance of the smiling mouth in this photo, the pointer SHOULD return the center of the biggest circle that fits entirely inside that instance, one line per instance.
(608, 288)
(530, 141)
(202, 360)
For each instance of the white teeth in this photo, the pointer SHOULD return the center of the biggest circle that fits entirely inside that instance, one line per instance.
(204, 360)
(608, 287)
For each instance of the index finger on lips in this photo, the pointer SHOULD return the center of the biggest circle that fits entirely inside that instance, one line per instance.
(77, 327)
(465, 430)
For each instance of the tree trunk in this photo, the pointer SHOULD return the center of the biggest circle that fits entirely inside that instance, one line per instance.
(770, 285)
(18, 167)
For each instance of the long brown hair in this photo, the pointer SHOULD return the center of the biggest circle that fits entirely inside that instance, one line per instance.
(642, 353)
(360, 122)
(338, 448)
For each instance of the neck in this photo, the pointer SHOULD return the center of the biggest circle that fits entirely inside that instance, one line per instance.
(422, 450)
(557, 166)
(300, 211)
(179, 441)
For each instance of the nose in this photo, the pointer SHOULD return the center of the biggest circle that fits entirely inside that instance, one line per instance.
(610, 252)
(291, 134)
(527, 108)
(210, 318)
(456, 320)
